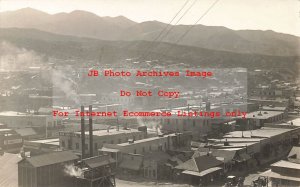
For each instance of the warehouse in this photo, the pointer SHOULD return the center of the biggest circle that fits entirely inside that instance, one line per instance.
(44, 170)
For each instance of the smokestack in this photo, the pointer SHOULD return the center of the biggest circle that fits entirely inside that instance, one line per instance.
(82, 134)
(91, 130)
(207, 107)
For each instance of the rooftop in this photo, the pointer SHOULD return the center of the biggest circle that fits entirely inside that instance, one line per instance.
(110, 132)
(145, 140)
(14, 114)
(286, 164)
(51, 158)
(274, 108)
(264, 132)
(9, 169)
(44, 141)
(263, 114)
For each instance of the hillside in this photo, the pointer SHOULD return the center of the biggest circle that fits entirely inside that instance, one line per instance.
(86, 24)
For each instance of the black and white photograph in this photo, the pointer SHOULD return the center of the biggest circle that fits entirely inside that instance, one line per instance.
(142, 93)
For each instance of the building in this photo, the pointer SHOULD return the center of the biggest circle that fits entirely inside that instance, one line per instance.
(72, 140)
(10, 141)
(21, 120)
(203, 126)
(45, 170)
(284, 173)
(200, 170)
(257, 119)
(36, 147)
(98, 171)
(144, 146)
(256, 147)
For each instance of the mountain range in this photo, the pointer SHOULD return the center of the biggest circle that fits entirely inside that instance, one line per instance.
(81, 51)
(85, 24)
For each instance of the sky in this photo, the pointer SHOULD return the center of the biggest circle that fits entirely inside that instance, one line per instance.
(277, 15)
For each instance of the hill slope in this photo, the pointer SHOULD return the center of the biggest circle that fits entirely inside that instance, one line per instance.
(86, 24)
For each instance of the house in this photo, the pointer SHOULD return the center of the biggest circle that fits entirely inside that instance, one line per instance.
(284, 173)
(200, 170)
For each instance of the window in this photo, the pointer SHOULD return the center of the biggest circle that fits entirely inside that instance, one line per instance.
(86, 146)
(69, 144)
(150, 148)
(63, 143)
(77, 145)
(194, 123)
(119, 141)
(96, 146)
(143, 149)
(154, 173)
(112, 142)
(135, 151)
(160, 147)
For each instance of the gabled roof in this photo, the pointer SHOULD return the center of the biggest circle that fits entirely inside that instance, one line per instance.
(51, 158)
(200, 163)
(98, 161)
(295, 153)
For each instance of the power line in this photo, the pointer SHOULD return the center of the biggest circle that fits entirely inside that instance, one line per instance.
(166, 34)
(186, 2)
(166, 27)
(182, 16)
(192, 26)
(201, 17)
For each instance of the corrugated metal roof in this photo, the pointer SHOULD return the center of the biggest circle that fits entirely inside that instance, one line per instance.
(9, 170)
(51, 158)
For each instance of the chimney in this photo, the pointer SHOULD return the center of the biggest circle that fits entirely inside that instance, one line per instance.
(207, 107)
(82, 134)
(91, 130)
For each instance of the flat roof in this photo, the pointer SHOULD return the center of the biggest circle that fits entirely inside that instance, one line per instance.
(45, 140)
(264, 132)
(274, 108)
(266, 114)
(238, 139)
(14, 114)
(145, 140)
(111, 132)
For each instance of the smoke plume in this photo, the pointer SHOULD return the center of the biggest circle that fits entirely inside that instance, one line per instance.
(73, 171)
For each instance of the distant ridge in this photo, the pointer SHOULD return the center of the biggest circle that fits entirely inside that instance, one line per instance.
(86, 24)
